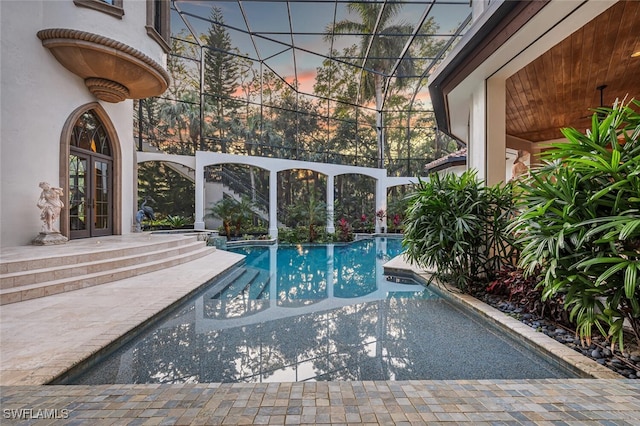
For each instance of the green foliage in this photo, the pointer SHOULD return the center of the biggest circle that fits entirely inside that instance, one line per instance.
(158, 224)
(355, 196)
(300, 234)
(257, 229)
(177, 221)
(397, 206)
(172, 193)
(580, 223)
(232, 213)
(456, 226)
(295, 235)
(312, 213)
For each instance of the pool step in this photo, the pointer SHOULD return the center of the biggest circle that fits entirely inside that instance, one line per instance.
(30, 279)
(223, 286)
(239, 286)
(261, 289)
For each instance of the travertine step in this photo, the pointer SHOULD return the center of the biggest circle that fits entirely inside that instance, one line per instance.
(44, 281)
(48, 258)
(95, 263)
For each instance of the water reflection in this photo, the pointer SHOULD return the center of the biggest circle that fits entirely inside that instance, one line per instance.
(296, 276)
(317, 272)
(302, 274)
(358, 270)
(316, 313)
(391, 339)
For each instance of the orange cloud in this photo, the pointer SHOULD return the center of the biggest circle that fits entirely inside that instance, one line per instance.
(306, 80)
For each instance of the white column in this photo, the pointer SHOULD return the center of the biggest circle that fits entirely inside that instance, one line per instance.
(199, 188)
(381, 202)
(273, 204)
(381, 250)
(330, 201)
(496, 144)
(476, 153)
(330, 270)
(273, 273)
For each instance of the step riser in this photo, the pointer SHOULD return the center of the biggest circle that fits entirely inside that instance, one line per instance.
(77, 283)
(10, 267)
(96, 266)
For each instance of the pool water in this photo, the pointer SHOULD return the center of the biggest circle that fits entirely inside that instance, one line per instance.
(315, 272)
(316, 312)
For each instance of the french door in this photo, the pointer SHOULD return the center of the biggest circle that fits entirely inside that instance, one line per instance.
(90, 194)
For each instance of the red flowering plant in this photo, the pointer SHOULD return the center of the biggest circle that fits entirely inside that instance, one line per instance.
(381, 215)
(345, 233)
(397, 220)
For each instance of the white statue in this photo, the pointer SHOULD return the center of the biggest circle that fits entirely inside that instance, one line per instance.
(50, 204)
(520, 167)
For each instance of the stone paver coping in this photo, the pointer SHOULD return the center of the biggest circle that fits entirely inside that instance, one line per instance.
(473, 402)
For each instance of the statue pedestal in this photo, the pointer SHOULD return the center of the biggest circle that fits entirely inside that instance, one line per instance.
(48, 239)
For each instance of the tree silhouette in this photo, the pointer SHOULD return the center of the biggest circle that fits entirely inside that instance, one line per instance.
(382, 52)
(221, 76)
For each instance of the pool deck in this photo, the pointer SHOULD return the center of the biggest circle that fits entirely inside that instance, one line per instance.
(41, 338)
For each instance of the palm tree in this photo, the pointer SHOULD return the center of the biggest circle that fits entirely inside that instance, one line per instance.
(382, 43)
(232, 212)
(182, 119)
(312, 212)
(316, 212)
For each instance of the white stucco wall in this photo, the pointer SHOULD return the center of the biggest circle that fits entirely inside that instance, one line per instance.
(121, 115)
(38, 95)
(130, 29)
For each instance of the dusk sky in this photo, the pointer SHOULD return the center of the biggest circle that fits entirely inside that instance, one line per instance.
(309, 20)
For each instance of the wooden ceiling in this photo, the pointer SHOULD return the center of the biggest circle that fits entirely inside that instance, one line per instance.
(560, 87)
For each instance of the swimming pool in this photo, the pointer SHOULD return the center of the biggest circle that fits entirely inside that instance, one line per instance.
(296, 313)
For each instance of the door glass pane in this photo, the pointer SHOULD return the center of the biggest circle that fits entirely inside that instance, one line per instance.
(90, 134)
(101, 185)
(77, 192)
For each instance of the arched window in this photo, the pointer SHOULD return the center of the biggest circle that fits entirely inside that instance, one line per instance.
(89, 134)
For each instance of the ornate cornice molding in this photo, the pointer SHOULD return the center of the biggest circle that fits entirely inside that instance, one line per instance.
(112, 70)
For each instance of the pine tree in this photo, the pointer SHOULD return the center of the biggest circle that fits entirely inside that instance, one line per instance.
(220, 77)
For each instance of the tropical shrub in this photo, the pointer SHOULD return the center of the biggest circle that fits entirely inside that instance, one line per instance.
(311, 212)
(580, 223)
(292, 235)
(232, 212)
(523, 292)
(344, 231)
(300, 234)
(364, 224)
(396, 221)
(395, 211)
(177, 221)
(456, 226)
